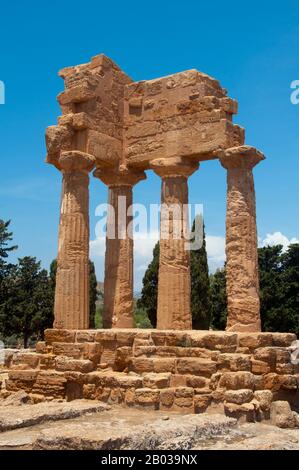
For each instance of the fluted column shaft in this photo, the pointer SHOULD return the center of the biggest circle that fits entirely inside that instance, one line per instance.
(174, 282)
(71, 308)
(242, 277)
(118, 282)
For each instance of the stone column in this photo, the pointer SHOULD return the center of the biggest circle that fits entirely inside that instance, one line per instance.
(118, 283)
(174, 284)
(242, 276)
(71, 308)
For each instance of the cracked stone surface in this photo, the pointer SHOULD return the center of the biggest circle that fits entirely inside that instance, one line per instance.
(101, 427)
(12, 417)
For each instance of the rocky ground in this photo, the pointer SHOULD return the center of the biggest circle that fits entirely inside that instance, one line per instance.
(84, 424)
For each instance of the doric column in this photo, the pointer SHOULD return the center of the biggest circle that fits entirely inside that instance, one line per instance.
(242, 276)
(71, 309)
(118, 283)
(174, 284)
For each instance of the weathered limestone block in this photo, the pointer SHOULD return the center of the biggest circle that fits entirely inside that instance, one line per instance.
(42, 348)
(147, 351)
(147, 398)
(166, 364)
(166, 398)
(125, 338)
(178, 380)
(238, 396)
(174, 284)
(217, 341)
(92, 352)
(173, 338)
(105, 336)
(130, 382)
(283, 339)
(237, 380)
(71, 308)
(73, 350)
(29, 360)
(259, 367)
(247, 412)
(270, 381)
(281, 415)
(118, 284)
(130, 397)
(21, 380)
(202, 402)
(59, 336)
(178, 351)
(252, 341)
(183, 399)
(288, 382)
(50, 384)
(195, 366)
(64, 363)
(267, 354)
(122, 358)
(241, 240)
(153, 380)
(141, 365)
(196, 381)
(264, 398)
(85, 336)
(233, 362)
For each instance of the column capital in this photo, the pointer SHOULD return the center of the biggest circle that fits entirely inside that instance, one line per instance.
(75, 161)
(174, 167)
(121, 176)
(243, 157)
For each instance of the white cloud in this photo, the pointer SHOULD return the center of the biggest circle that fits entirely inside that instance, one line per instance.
(215, 252)
(277, 238)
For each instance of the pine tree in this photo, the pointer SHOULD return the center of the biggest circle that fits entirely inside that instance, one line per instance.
(5, 238)
(6, 271)
(149, 294)
(28, 307)
(200, 282)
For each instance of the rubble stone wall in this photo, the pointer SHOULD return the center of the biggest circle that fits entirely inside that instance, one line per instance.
(240, 373)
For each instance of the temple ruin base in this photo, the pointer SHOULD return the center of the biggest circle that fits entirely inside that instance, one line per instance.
(189, 371)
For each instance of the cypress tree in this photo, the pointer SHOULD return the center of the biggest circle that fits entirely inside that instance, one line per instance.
(200, 282)
(149, 293)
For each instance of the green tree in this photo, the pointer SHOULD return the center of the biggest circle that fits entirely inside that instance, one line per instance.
(149, 294)
(93, 293)
(28, 308)
(141, 319)
(279, 288)
(6, 272)
(200, 282)
(5, 268)
(218, 300)
(5, 239)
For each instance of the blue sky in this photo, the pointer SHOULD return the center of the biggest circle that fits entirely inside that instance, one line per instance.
(250, 47)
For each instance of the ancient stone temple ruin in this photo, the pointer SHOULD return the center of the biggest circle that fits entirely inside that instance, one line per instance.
(116, 129)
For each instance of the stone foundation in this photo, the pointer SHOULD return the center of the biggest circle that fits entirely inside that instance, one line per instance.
(188, 371)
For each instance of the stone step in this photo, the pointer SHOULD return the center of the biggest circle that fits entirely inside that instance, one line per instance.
(211, 340)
